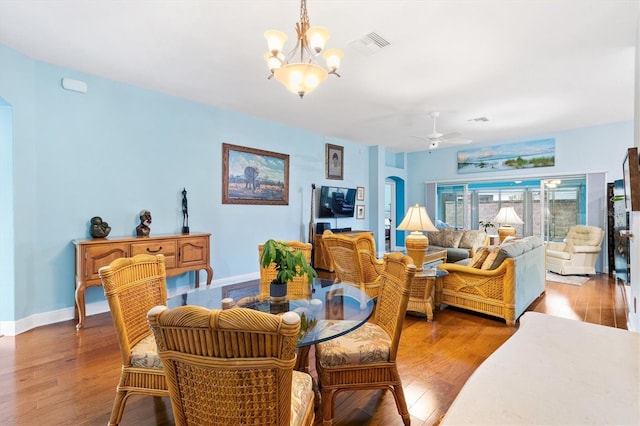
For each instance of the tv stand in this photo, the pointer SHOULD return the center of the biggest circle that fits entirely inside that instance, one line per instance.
(341, 230)
(321, 259)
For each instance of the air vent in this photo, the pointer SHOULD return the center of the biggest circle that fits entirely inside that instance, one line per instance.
(370, 43)
(484, 119)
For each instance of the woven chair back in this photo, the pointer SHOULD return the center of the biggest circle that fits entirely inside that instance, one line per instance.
(354, 260)
(132, 286)
(300, 286)
(227, 367)
(395, 288)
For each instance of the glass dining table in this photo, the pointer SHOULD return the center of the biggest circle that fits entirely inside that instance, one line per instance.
(327, 311)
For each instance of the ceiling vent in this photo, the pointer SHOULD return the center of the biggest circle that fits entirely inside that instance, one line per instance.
(369, 44)
(481, 119)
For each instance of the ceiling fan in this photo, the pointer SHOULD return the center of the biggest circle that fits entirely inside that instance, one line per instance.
(435, 139)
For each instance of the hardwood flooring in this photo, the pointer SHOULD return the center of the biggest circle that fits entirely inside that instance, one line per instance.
(55, 375)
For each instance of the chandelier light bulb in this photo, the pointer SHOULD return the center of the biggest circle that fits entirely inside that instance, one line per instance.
(317, 37)
(275, 41)
(333, 58)
(274, 62)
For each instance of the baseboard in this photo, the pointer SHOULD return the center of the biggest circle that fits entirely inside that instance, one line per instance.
(13, 328)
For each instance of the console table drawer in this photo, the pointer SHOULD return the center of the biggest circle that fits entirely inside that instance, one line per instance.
(166, 247)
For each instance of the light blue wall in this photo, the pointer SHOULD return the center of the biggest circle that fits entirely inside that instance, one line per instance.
(589, 149)
(118, 149)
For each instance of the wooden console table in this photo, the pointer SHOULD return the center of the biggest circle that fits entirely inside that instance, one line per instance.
(182, 253)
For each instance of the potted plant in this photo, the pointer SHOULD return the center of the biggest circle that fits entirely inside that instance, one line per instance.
(288, 262)
(486, 225)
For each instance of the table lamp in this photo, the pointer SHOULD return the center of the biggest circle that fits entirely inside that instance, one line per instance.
(507, 216)
(417, 220)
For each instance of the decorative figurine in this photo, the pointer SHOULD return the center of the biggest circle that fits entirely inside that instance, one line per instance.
(143, 229)
(99, 229)
(185, 212)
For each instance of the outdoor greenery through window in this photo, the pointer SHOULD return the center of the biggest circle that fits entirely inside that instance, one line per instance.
(548, 207)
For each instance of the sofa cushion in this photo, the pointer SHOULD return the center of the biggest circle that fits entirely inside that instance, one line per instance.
(472, 238)
(449, 238)
(493, 258)
(511, 249)
(455, 254)
(479, 258)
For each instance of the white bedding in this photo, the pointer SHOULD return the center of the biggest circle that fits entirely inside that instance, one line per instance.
(555, 371)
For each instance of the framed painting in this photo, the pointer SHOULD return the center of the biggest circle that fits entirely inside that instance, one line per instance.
(254, 176)
(513, 156)
(360, 211)
(334, 161)
(360, 193)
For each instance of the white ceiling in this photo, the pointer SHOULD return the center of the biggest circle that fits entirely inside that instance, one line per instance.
(529, 66)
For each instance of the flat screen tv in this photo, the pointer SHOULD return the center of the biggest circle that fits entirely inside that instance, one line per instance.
(337, 202)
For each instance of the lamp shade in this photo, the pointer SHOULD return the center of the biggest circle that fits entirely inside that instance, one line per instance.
(508, 216)
(417, 219)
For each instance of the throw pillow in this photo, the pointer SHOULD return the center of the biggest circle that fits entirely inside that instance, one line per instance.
(478, 259)
(491, 258)
(472, 238)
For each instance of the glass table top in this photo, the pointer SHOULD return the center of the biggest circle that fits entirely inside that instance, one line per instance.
(330, 310)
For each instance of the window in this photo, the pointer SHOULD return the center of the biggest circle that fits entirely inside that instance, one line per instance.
(548, 207)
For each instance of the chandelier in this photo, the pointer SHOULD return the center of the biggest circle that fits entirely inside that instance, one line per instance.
(300, 71)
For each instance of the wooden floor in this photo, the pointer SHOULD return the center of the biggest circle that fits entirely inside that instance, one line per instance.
(53, 375)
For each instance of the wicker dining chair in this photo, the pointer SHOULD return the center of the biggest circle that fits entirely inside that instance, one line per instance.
(232, 367)
(300, 286)
(132, 286)
(354, 260)
(366, 357)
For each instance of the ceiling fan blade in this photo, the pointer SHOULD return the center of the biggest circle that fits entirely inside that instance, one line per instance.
(451, 135)
(457, 141)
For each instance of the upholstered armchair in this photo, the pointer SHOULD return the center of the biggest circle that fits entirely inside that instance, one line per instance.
(354, 259)
(578, 253)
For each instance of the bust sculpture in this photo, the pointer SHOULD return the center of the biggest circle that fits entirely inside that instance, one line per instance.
(143, 229)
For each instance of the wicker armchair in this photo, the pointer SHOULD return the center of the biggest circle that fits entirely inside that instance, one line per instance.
(232, 367)
(132, 286)
(300, 286)
(354, 259)
(366, 357)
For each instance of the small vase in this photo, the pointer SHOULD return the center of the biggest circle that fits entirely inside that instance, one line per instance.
(278, 292)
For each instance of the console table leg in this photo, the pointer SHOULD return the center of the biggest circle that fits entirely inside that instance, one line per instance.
(80, 306)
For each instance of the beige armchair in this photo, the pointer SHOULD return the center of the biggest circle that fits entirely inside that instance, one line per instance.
(578, 253)
(354, 259)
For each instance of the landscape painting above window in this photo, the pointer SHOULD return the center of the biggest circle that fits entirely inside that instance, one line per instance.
(521, 155)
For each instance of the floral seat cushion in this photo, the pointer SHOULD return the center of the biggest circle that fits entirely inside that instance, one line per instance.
(301, 396)
(145, 354)
(368, 344)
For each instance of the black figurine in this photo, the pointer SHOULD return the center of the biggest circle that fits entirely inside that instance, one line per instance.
(185, 212)
(99, 229)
